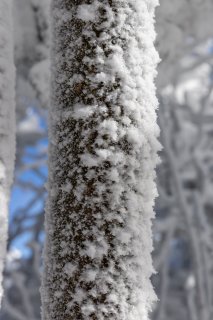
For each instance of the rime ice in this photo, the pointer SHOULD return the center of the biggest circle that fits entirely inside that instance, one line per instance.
(103, 135)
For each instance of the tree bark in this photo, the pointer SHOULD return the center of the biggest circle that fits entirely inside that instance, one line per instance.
(102, 159)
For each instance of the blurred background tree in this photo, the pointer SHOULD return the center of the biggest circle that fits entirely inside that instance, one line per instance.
(183, 230)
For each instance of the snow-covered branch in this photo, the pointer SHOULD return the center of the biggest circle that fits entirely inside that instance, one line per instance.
(7, 121)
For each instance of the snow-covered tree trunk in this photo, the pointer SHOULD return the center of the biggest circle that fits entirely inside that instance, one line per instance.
(102, 159)
(7, 122)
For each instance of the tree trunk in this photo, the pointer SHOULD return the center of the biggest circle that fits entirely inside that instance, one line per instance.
(7, 122)
(102, 159)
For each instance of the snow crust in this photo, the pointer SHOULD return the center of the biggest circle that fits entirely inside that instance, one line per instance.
(7, 123)
(107, 97)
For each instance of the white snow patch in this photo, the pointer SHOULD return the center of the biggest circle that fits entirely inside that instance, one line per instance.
(69, 268)
(86, 12)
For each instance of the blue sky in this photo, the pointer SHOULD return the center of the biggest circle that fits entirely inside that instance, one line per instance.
(23, 196)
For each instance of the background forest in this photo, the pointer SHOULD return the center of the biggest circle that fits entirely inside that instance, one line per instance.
(183, 229)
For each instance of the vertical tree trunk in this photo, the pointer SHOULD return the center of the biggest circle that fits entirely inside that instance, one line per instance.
(7, 122)
(102, 158)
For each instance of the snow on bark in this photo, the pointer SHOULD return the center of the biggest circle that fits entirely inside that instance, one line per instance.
(102, 159)
(7, 122)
